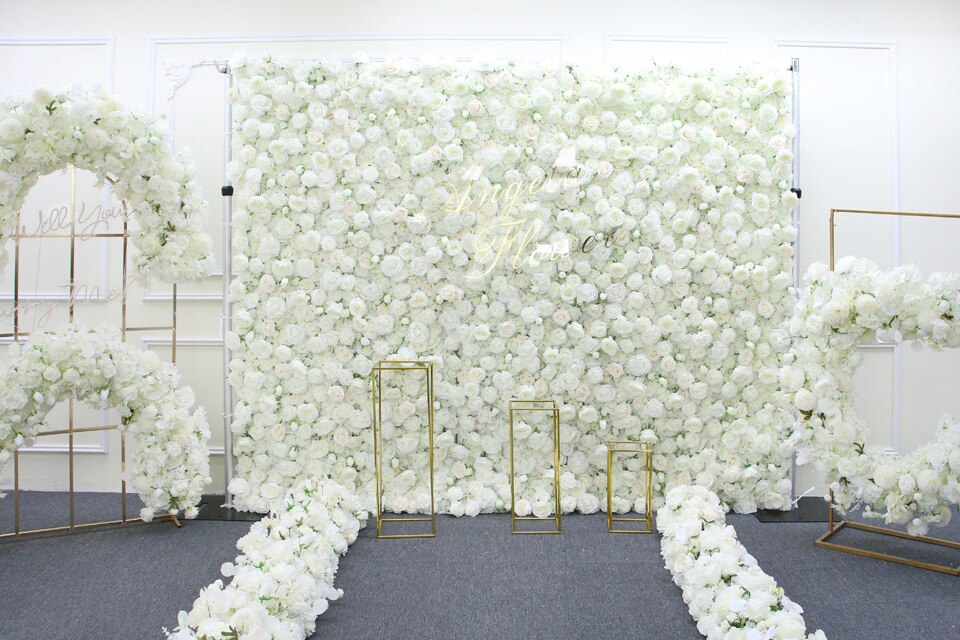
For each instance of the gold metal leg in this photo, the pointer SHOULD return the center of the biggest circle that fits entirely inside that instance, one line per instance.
(16, 493)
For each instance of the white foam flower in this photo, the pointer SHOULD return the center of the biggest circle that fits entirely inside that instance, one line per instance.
(805, 400)
(11, 129)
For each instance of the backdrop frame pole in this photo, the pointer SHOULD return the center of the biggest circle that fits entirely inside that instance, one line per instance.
(795, 113)
(177, 76)
(227, 319)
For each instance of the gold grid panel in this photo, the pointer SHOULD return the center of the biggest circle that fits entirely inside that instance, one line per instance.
(639, 449)
(403, 367)
(834, 528)
(71, 430)
(550, 406)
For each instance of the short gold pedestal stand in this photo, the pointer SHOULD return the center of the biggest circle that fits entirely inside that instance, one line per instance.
(536, 405)
(634, 448)
(403, 366)
(834, 529)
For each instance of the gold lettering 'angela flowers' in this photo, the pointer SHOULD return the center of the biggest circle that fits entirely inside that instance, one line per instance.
(512, 237)
(468, 195)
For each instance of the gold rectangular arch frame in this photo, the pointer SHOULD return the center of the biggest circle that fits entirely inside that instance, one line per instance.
(833, 527)
(71, 430)
(551, 407)
(403, 366)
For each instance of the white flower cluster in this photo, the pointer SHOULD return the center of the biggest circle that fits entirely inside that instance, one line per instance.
(728, 594)
(661, 317)
(169, 467)
(837, 311)
(96, 132)
(283, 578)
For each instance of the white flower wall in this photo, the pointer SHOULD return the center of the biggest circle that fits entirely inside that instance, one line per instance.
(652, 308)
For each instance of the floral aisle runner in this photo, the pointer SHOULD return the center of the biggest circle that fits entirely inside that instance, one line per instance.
(283, 578)
(728, 594)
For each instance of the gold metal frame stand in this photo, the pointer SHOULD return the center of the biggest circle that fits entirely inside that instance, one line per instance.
(377, 394)
(878, 212)
(19, 236)
(537, 405)
(634, 448)
(833, 528)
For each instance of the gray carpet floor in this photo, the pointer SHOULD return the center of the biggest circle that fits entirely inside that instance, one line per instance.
(475, 580)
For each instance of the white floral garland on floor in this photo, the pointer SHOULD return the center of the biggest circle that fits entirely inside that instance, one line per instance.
(93, 130)
(727, 592)
(283, 577)
(836, 312)
(169, 467)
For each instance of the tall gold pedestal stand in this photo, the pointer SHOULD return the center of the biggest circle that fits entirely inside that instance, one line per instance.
(633, 448)
(402, 366)
(539, 406)
(71, 430)
(833, 527)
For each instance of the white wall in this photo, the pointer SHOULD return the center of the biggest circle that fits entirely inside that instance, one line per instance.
(878, 97)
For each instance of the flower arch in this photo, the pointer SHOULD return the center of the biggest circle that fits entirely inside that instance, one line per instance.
(94, 131)
(837, 309)
(170, 464)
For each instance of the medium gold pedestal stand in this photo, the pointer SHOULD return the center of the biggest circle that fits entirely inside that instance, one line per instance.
(824, 540)
(834, 529)
(551, 407)
(634, 448)
(403, 366)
